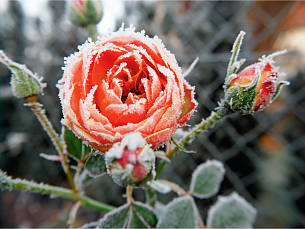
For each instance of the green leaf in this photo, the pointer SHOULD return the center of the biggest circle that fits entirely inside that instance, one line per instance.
(117, 218)
(231, 212)
(235, 52)
(180, 213)
(75, 146)
(134, 215)
(96, 165)
(146, 213)
(206, 179)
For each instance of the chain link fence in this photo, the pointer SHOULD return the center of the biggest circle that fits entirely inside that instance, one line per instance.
(264, 154)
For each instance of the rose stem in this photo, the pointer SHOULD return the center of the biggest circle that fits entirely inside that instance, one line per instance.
(36, 107)
(18, 184)
(73, 214)
(205, 124)
(92, 30)
(129, 193)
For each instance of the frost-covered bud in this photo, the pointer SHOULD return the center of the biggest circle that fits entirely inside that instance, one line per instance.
(85, 12)
(132, 161)
(254, 88)
(24, 83)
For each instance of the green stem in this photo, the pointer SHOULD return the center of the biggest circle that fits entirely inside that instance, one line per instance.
(73, 214)
(9, 183)
(77, 173)
(92, 30)
(202, 126)
(38, 110)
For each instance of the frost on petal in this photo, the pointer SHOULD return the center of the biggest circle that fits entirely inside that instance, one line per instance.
(106, 96)
(121, 114)
(160, 102)
(107, 55)
(172, 113)
(155, 84)
(189, 104)
(92, 119)
(122, 83)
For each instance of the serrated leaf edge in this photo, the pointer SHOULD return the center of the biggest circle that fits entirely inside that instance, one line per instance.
(197, 170)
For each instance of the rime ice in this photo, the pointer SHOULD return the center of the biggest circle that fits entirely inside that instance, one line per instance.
(125, 82)
(132, 161)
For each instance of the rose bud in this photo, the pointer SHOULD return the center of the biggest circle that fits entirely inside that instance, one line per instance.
(24, 83)
(85, 12)
(254, 88)
(125, 82)
(131, 162)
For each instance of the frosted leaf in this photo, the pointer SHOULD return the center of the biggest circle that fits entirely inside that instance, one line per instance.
(231, 211)
(206, 179)
(134, 215)
(96, 165)
(180, 213)
(117, 218)
(235, 52)
(279, 88)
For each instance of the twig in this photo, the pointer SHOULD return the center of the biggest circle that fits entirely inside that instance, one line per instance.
(73, 213)
(201, 127)
(18, 184)
(38, 110)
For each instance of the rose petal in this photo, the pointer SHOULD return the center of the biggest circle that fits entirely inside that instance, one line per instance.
(121, 114)
(189, 104)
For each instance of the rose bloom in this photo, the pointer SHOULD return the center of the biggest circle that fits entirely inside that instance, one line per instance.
(125, 82)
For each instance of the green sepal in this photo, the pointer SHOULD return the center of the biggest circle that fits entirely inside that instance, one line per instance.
(240, 99)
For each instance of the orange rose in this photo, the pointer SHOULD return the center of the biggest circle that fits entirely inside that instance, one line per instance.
(126, 82)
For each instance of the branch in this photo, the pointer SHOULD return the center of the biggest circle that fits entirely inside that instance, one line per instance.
(201, 127)
(38, 110)
(6, 182)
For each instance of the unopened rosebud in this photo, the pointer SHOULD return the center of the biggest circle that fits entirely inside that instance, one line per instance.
(85, 12)
(254, 88)
(132, 161)
(24, 83)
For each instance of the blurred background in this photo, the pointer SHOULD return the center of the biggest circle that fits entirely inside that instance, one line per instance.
(264, 154)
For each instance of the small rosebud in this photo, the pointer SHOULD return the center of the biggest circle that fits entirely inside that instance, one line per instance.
(132, 161)
(85, 12)
(24, 83)
(254, 88)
